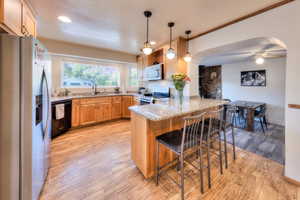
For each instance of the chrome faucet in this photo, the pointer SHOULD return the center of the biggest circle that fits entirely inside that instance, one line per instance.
(94, 89)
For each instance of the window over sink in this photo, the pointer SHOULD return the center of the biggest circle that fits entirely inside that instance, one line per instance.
(85, 75)
(133, 76)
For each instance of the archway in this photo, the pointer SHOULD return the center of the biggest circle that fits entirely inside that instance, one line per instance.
(274, 24)
(227, 63)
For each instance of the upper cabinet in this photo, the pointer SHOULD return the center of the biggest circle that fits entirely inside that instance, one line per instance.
(11, 16)
(17, 18)
(28, 21)
(159, 55)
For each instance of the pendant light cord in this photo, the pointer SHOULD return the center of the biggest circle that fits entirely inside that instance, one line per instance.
(147, 30)
(188, 32)
(170, 37)
(187, 39)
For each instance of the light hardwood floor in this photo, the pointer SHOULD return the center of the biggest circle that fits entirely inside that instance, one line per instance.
(94, 164)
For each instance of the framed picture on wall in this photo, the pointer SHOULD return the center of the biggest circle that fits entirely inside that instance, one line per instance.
(254, 78)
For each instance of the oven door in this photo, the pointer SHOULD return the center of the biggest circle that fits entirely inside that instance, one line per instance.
(143, 102)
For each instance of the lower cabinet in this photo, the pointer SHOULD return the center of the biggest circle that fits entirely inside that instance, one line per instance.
(103, 112)
(116, 110)
(75, 112)
(127, 102)
(92, 110)
(87, 114)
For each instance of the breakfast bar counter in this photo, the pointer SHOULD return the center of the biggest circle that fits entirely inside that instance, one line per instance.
(150, 121)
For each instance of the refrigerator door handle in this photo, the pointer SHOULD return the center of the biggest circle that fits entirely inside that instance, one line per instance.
(48, 103)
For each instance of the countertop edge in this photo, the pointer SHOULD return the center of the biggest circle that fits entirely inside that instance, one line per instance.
(132, 109)
(57, 99)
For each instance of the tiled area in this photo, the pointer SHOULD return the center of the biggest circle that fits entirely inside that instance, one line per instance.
(269, 145)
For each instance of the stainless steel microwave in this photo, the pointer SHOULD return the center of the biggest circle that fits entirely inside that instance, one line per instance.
(154, 72)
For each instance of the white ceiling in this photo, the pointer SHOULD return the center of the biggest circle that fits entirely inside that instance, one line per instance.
(120, 24)
(242, 51)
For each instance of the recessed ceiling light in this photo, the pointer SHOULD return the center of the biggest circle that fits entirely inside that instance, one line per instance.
(64, 19)
(152, 42)
(260, 60)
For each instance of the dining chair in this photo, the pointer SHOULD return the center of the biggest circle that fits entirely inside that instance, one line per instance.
(260, 114)
(238, 115)
(181, 142)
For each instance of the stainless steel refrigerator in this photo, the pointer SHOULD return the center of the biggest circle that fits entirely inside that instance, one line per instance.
(25, 117)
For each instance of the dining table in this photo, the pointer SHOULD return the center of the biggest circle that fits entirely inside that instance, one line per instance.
(250, 107)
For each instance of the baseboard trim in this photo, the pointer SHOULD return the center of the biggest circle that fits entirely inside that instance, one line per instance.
(292, 181)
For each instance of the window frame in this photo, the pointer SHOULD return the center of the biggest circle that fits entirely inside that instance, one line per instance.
(94, 64)
(129, 68)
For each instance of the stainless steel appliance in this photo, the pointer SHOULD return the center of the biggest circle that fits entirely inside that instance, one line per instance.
(61, 125)
(158, 93)
(154, 72)
(25, 117)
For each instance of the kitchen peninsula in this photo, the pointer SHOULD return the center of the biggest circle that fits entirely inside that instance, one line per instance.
(149, 121)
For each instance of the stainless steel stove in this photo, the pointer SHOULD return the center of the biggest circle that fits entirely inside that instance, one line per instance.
(157, 94)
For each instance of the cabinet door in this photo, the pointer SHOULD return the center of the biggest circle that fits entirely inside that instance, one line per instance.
(106, 108)
(116, 110)
(75, 112)
(87, 114)
(103, 112)
(98, 113)
(135, 101)
(11, 15)
(28, 21)
(127, 102)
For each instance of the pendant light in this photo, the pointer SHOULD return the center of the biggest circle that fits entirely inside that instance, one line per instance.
(188, 57)
(171, 52)
(147, 46)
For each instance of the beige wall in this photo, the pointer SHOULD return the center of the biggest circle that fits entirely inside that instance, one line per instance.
(66, 48)
(273, 94)
(79, 53)
(281, 23)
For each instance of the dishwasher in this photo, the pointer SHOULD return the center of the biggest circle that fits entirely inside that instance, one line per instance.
(61, 122)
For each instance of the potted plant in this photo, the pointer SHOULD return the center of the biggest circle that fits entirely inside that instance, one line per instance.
(179, 81)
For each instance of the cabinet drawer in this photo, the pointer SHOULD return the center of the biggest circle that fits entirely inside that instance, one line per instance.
(117, 99)
(96, 100)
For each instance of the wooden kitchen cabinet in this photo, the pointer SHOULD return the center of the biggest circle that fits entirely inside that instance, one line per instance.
(87, 114)
(17, 18)
(135, 101)
(75, 112)
(116, 108)
(159, 55)
(11, 16)
(127, 101)
(88, 111)
(103, 112)
(28, 21)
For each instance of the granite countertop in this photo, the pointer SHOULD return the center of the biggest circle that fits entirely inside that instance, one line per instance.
(62, 98)
(171, 108)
